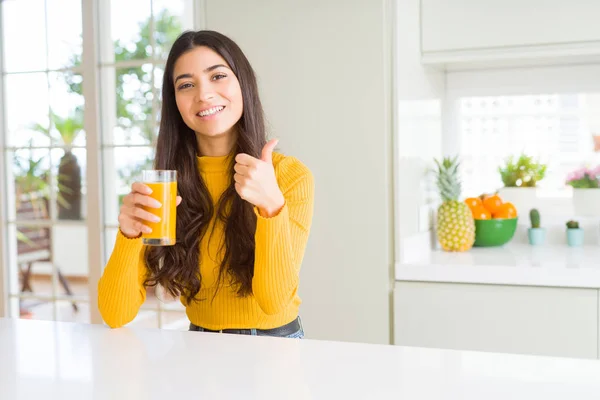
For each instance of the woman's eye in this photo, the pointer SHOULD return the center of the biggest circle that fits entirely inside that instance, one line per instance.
(185, 86)
(219, 76)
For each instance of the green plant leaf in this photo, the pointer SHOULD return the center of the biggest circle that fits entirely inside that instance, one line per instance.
(21, 237)
(525, 172)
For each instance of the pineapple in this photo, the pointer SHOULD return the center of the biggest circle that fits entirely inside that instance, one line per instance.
(455, 225)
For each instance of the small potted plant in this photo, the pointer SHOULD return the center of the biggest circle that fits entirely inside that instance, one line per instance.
(536, 234)
(586, 191)
(520, 176)
(574, 234)
(522, 173)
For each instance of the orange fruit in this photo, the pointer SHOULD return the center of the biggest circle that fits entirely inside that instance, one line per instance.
(506, 210)
(473, 202)
(484, 196)
(512, 207)
(481, 213)
(492, 203)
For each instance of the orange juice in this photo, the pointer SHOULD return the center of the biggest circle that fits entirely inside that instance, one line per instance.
(163, 232)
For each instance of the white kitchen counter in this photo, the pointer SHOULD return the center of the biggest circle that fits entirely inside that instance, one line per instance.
(48, 360)
(513, 264)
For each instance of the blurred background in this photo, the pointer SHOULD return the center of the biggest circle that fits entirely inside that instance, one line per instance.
(366, 93)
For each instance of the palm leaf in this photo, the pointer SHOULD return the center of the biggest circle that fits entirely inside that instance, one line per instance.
(21, 237)
(68, 128)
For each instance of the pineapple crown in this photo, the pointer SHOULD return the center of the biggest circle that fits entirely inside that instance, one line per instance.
(448, 181)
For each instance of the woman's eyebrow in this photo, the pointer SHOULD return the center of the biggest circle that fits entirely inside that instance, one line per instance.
(183, 76)
(209, 69)
(212, 68)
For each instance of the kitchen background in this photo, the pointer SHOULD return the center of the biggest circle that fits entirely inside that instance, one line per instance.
(486, 81)
(387, 87)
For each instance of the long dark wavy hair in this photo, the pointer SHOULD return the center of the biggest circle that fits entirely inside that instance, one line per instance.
(176, 268)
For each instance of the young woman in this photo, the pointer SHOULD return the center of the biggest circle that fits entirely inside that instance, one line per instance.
(244, 212)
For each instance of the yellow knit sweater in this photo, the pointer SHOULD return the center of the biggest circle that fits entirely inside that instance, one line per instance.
(280, 244)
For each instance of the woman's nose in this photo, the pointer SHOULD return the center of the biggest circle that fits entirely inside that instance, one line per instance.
(204, 93)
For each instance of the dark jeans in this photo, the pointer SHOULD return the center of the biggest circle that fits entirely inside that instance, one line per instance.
(292, 330)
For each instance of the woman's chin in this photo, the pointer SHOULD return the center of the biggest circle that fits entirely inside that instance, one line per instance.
(215, 132)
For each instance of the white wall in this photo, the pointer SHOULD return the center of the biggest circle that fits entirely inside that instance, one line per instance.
(523, 81)
(420, 100)
(323, 68)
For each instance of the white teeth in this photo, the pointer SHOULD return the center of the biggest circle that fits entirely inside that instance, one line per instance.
(210, 111)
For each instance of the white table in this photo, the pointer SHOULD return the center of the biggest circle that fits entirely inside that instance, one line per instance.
(48, 360)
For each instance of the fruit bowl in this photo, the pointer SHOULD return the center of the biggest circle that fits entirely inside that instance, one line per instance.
(494, 232)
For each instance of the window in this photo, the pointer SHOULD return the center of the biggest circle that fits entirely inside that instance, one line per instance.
(45, 157)
(556, 128)
(44, 147)
(551, 113)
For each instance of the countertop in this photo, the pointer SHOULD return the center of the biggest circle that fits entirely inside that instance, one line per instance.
(555, 265)
(57, 360)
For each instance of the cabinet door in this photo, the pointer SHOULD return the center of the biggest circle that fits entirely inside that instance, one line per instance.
(506, 319)
(483, 24)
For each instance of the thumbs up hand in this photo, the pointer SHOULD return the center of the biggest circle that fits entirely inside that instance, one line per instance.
(256, 183)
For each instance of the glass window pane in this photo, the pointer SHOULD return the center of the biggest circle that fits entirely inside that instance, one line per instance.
(69, 255)
(38, 260)
(159, 71)
(134, 98)
(69, 167)
(110, 236)
(40, 309)
(170, 303)
(136, 134)
(555, 129)
(67, 313)
(27, 120)
(24, 28)
(130, 29)
(64, 33)
(31, 177)
(30, 268)
(66, 102)
(171, 18)
(166, 301)
(122, 167)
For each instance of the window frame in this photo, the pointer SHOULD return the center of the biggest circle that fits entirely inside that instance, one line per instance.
(95, 16)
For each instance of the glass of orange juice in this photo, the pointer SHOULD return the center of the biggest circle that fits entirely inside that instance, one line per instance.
(163, 184)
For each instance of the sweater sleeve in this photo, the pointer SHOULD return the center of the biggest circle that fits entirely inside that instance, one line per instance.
(281, 240)
(121, 289)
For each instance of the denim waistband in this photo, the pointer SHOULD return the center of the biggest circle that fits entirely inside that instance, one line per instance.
(285, 330)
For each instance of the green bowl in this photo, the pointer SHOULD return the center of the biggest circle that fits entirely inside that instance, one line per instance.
(494, 232)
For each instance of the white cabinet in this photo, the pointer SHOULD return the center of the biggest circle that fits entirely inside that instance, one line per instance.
(492, 29)
(510, 319)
